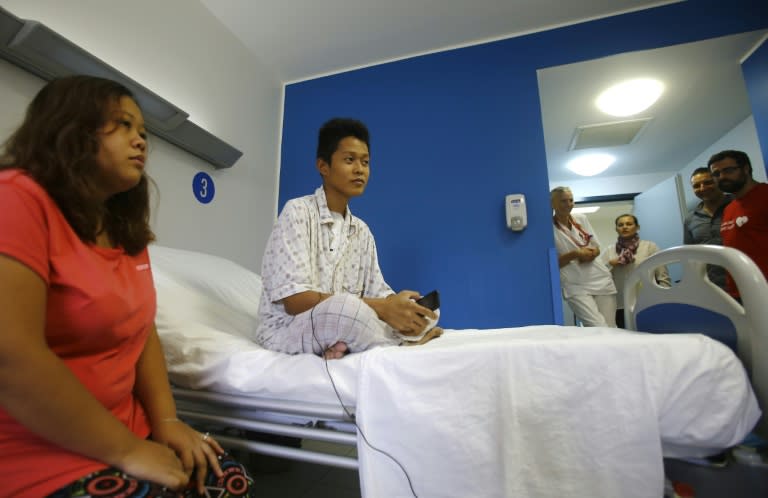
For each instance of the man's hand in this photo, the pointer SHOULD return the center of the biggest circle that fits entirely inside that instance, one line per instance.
(401, 312)
(434, 333)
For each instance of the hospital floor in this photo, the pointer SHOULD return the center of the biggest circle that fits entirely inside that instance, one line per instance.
(735, 480)
(289, 479)
(278, 478)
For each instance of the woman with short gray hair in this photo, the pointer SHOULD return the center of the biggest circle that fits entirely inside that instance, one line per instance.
(586, 282)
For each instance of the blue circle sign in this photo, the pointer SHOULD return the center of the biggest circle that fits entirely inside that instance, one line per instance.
(203, 187)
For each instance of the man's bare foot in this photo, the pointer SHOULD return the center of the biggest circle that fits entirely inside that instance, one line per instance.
(434, 333)
(336, 351)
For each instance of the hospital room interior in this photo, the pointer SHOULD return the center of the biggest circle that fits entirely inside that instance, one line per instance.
(468, 103)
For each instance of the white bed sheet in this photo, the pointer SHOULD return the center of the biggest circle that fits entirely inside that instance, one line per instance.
(201, 357)
(543, 411)
(533, 412)
(546, 412)
(206, 309)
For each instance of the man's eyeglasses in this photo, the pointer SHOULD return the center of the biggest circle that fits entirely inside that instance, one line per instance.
(727, 170)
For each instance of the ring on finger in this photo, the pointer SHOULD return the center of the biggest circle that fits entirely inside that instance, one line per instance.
(206, 436)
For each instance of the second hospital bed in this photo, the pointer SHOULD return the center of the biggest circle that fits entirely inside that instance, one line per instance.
(540, 411)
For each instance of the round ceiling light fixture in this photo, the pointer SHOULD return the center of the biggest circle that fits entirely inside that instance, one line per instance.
(590, 164)
(630, 97)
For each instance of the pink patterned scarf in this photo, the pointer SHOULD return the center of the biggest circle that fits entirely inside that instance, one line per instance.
(627, 248)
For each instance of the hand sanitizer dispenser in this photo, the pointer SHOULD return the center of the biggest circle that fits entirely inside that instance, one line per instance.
(517, 219)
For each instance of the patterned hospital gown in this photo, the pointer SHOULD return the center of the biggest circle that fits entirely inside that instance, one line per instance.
(302, 255)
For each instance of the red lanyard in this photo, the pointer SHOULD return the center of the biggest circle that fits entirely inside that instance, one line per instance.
(584, 235)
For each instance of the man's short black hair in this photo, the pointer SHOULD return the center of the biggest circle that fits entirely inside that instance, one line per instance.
(334, 131)
(701, 171)
(741, 158)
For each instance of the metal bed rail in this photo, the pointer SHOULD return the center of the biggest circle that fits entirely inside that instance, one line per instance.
(302, 455)
(321, 410)
(306, 421)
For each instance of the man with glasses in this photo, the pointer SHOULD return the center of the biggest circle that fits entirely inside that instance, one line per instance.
(745, 219)
(702, 225)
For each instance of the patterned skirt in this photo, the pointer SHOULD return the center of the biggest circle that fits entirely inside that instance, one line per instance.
(234, 482)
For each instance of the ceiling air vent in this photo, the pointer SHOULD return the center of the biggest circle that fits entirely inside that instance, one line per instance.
(607, 134)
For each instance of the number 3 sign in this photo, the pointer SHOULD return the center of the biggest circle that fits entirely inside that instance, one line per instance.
(203, 187)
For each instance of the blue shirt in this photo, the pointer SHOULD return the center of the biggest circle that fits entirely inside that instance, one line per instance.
(701, 228)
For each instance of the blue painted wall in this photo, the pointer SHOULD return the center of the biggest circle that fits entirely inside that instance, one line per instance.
(452, 134)
(755, 70)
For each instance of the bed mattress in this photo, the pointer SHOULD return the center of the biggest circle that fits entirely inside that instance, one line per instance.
(504, 412)
(540, 411)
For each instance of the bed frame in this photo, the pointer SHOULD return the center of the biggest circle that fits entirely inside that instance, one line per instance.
(241, 422)
(698, 305)
(219, 414)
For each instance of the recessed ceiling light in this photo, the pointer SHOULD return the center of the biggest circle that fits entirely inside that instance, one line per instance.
(590, 164)
(630, 97)
(585, 209)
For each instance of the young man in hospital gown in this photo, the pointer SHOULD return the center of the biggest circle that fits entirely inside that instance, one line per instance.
(323, 291)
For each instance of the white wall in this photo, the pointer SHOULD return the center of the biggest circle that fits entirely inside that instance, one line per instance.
(605, 230)
(180, 51)
(742, 137)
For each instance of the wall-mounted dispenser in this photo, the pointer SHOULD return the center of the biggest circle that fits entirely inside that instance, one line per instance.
(516, 213)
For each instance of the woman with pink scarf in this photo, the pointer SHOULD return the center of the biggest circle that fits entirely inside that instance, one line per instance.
(628, 252)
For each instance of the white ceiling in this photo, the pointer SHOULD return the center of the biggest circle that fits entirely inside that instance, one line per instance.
(705, 97)
(300, 39)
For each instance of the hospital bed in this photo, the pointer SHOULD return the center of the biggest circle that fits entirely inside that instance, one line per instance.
(541, 411)
(695, 304)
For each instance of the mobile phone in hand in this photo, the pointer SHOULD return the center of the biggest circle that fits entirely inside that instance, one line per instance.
(431, 300)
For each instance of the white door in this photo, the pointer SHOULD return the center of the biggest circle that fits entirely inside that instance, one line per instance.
(660, 210)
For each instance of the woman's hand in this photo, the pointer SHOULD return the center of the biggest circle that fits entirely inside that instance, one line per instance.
(195, 451)
(587, 254)
(148, 460)
(401, 312)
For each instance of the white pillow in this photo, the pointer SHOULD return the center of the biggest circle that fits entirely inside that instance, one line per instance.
(194, 287)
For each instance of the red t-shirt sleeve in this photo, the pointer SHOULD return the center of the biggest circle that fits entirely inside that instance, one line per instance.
(24, 223)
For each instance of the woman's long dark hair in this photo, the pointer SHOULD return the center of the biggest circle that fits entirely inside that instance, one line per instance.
(57, 145)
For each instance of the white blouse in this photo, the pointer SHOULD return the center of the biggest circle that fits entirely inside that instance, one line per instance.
(645, 249)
